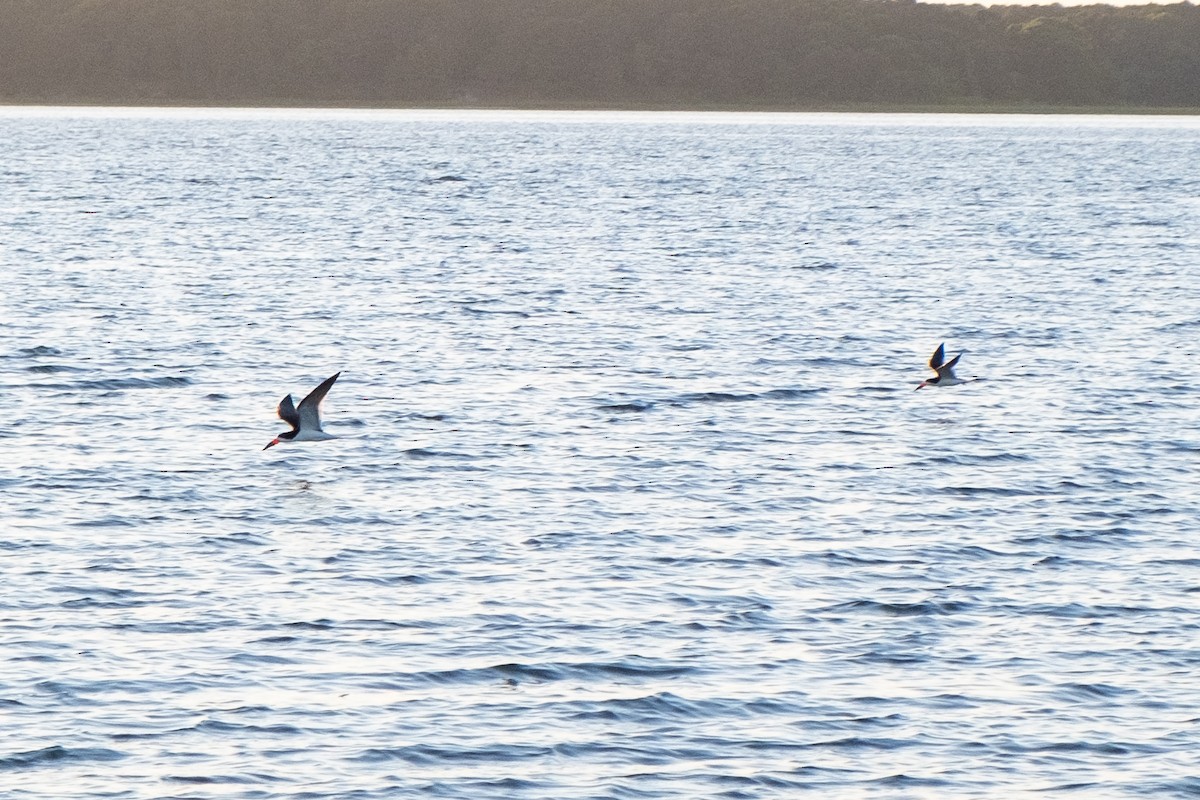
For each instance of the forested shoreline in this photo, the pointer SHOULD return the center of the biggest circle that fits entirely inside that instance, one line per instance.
(743, 54)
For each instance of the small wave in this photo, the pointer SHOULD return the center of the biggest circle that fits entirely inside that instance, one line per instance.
(169, 627)
(633, 406)
(790, 394)
(221, 726)
(1088, 612)
(1174, 562)
(391, 580)
(504, 312)
(853, 560)
(1182, 325)
(1107, 538)
(945, 553)
(352, 624)
(920, 609)
(627, 669)
(314, 625)
(1090, 691)
(244, 539)
(57, 754)
(544, 673)
(117, 384)
(50, 369)
(106, 522)
(969, 460)
(44, 658)
(744, 397)
(428, 755)
(553, 539)
(953, 701)
(1184, 787)
(999, 491)
(38, 351)
(865, 743)
(714, 397)
(89, 601)
(418, 453)
(903, 781)
(1081, 786)
(252, 778)
(667, 705)
(893, 659)
(1099, 748)
(261, 658)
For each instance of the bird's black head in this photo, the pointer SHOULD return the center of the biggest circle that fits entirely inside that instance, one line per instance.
(286, 436)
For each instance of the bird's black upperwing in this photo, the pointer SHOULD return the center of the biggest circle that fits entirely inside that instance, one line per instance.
(308, 413)
(287, 412)
(938, 356)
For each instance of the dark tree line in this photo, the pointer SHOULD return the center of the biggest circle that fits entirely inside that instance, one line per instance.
(573, 53)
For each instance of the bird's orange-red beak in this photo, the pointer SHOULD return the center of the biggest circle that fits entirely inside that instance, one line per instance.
(921, 386)
(271, 444)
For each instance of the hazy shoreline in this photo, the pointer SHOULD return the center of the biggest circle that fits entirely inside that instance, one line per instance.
(711, 55)
(845, 108)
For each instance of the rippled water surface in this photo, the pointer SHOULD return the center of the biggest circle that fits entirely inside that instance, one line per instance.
(632, 495)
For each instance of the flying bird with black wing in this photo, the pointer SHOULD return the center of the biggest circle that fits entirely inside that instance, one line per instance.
(945, 369)
(305, 419)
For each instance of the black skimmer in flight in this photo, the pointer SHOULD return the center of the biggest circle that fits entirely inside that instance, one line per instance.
(945, 371)
(305, 419)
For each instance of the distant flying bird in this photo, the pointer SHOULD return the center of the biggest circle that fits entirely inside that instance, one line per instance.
(305, 419)
(945, 372)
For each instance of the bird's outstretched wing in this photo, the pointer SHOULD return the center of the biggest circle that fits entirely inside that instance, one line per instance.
(938, 356)
(308, 414)
(287, 412)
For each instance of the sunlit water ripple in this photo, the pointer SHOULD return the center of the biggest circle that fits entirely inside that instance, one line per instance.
(633, 497)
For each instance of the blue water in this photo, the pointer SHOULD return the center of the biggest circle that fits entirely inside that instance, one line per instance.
(632, 495)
